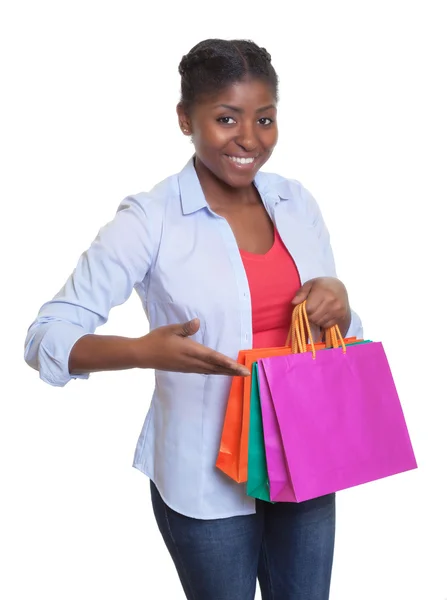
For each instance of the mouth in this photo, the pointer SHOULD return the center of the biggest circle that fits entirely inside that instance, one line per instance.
(242, 163)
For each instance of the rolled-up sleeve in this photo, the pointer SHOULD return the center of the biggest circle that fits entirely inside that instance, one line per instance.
(106, 273)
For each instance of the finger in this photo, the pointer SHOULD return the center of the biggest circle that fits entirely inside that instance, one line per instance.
(320, 318)
(327, 322)
(214, 359)
(303, 293)
(206, 368)
(230, 366)
(315, 307)
(188, 329)
(327, 307)
(328, 312)
(226, 371)
(224, 362)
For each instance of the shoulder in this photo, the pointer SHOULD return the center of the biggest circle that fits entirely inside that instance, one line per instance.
(153, 202)
(289, 189)
(143, 215)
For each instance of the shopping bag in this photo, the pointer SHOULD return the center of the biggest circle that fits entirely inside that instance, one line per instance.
(339, 416)
(251, 356)
(229, 449)
(232, 458)
(279, 482)
(257, 477)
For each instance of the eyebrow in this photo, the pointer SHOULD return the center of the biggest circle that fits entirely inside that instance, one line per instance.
(241, 110)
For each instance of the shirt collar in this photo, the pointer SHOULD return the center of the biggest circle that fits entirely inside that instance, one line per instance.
(193, 198)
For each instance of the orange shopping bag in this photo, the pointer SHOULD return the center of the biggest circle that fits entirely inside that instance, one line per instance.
(229, 457)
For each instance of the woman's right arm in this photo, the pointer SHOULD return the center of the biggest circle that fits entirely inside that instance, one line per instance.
(166, 348)
(61, 343)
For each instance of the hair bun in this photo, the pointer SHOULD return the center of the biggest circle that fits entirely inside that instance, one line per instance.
(266, 54)
(183, 66)
(194, 58)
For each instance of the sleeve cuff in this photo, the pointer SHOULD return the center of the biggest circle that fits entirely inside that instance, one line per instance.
(54, 352)
(355, 328)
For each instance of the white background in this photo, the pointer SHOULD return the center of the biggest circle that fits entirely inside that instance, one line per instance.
(88, 116)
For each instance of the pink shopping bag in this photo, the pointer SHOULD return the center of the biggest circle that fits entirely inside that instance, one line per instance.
(339, 415)
(340, 418)
(280, 484)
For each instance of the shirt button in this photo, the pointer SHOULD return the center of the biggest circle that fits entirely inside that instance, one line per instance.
(246, 337)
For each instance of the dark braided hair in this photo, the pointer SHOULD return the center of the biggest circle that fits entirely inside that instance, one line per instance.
(214, 64)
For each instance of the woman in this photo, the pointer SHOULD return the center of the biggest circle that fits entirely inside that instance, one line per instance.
(218, 254)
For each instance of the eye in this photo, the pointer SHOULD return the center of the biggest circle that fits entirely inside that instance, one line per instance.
(226, 120)
(265, 121)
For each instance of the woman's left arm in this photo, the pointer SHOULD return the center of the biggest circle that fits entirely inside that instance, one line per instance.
(327, 300)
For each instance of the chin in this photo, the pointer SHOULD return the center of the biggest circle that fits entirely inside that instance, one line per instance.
(235, 178)
(238, 181)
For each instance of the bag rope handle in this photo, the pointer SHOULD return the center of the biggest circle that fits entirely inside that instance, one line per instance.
(300, 332)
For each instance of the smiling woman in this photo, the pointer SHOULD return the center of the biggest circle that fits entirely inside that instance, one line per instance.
(218, 254)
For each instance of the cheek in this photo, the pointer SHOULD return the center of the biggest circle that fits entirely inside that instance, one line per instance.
(212, 136)
(270, 138)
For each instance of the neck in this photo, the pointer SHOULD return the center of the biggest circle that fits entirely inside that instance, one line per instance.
(218, 194)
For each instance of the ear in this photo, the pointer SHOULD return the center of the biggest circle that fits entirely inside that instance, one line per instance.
(183, 120)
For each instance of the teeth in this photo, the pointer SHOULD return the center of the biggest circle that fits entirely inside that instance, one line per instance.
(241, 161)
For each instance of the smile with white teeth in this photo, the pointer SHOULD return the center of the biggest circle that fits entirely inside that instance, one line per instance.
(241, 161)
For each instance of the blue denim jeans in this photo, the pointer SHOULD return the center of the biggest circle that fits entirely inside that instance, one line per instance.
(287, 547)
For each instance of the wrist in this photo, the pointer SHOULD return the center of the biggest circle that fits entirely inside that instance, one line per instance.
(143, 351)
(136, 352)
(345, 323)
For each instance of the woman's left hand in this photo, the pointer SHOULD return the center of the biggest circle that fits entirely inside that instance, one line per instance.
(327, 303)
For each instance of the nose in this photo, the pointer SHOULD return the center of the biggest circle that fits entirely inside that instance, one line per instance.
(246, 138)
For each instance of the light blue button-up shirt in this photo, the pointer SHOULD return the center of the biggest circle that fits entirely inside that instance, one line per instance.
(184, 262)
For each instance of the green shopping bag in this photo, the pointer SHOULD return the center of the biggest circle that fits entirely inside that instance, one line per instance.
(257, 481)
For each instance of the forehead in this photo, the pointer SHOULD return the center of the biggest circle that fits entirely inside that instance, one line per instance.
(252, 93)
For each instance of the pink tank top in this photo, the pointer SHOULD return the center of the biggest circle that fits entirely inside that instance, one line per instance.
(273, 280)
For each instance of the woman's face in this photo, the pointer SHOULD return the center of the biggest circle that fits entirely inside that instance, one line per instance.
(234, 132)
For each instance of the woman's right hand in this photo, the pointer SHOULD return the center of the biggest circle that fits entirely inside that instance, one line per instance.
(169, 348)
